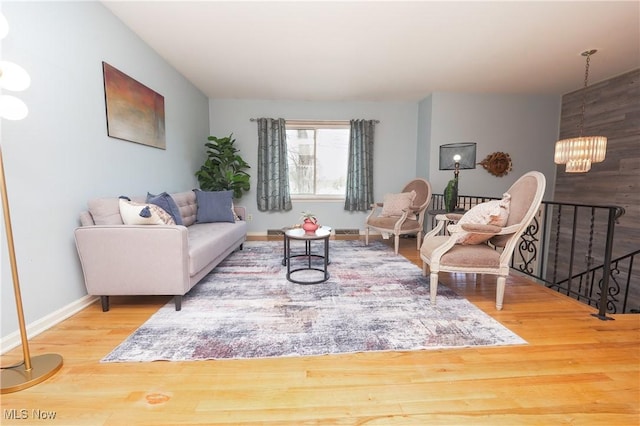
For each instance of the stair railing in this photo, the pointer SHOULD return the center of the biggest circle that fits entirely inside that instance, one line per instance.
(550, 249)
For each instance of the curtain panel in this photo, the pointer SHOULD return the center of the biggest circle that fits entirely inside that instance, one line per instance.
(359, 192)
(273, 169)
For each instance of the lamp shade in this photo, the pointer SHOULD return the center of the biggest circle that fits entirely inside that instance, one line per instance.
(579, 153)
(464, 153)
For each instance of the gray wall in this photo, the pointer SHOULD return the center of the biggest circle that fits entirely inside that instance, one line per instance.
(524, 126)
(407, 141)
(60, 155)
(394, 150)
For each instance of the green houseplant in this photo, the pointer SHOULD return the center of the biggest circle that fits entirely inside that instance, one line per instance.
(451, 195)
(224, 168)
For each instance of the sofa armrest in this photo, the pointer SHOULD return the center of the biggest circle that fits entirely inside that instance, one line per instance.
(134, 260)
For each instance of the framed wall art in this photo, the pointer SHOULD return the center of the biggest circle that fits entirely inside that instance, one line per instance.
(135, 113)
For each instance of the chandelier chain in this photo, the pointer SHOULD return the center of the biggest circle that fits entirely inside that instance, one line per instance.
(584, 91)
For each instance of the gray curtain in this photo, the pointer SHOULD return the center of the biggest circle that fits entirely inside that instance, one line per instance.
(273, 169)
(359, 194)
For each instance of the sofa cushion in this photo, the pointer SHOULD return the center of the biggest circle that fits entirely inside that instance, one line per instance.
(167, 203)
(214, 206)
(209, 240)
(186, 202)
(106, 211)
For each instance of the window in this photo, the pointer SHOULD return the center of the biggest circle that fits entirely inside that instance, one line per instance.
(318, 159)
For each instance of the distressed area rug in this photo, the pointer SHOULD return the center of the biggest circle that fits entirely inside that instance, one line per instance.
(373, 301)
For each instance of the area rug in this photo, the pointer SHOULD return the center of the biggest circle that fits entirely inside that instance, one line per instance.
(373, 301)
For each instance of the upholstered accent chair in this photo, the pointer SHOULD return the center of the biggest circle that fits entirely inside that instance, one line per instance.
(402, 213)
(483, 248)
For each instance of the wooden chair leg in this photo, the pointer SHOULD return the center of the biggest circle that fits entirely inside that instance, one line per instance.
(418, 239)
(433, 287)
(500, 292)
(396, 241)
(366, 235)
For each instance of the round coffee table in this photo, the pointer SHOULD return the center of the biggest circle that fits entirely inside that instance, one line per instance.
(299, 234)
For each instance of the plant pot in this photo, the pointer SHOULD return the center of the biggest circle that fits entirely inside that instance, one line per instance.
(310, 227)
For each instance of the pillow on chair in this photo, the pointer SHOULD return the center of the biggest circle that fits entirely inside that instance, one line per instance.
(393, 204)
(495, 213)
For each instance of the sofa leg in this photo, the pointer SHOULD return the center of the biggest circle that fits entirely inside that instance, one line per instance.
(177, 300)
(104, 300)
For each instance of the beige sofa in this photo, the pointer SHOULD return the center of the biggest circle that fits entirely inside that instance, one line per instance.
(119, 259)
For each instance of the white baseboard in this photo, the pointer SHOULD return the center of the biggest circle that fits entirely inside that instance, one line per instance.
(13, 340)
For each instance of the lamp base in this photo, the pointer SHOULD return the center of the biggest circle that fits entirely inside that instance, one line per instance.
(17, 378)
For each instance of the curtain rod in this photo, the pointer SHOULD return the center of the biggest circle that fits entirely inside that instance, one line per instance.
(316, 121)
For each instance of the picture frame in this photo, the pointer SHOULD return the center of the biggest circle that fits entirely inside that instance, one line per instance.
(135, 113)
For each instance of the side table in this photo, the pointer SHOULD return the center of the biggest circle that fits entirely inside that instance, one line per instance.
(299, 234)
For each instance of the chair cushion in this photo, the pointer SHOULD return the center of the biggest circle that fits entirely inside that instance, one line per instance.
(495, 212)
(389, 222)
(394, 204)
(478, 255)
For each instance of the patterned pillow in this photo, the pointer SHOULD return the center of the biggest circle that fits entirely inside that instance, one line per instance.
(143, 214)
(495, 212)
(393, 204)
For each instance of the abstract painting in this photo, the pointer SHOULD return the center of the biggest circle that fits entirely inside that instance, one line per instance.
(135, 113)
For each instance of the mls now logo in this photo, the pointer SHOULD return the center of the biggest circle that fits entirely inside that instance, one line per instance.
(15, 414)
(23, 414)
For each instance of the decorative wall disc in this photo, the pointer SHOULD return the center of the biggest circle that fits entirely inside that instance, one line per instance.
(498, 164)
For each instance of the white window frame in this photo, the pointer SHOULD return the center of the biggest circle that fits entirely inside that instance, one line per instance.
(314, 125)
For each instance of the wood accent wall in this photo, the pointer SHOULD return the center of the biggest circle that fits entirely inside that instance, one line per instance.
(612, 110)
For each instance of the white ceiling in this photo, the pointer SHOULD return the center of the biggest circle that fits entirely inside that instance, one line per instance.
(386, 50)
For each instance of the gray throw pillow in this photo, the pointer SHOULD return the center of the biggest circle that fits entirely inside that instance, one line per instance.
(165, 202)
(214, 206)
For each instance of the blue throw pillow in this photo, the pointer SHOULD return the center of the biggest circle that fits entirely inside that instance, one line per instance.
(214, 206)
(165, 202)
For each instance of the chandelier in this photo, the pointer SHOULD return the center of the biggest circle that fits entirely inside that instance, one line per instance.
(578, 153)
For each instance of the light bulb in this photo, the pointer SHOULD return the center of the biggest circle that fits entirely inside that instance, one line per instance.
(4, 26)
(13, 77)
(457, 158)
(12, 108)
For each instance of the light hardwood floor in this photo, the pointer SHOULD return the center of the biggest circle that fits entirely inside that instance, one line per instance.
(576, 369)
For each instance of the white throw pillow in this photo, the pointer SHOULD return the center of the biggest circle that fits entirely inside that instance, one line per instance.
(393, 204)
(495, 212)
(143, 214)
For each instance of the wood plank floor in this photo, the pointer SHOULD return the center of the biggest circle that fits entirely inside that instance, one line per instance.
(575, 370)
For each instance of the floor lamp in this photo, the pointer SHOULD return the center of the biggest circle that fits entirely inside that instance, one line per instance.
(32, 370)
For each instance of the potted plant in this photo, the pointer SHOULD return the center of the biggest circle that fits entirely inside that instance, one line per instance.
(309, 222)
(451, 195)
(224, 168)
